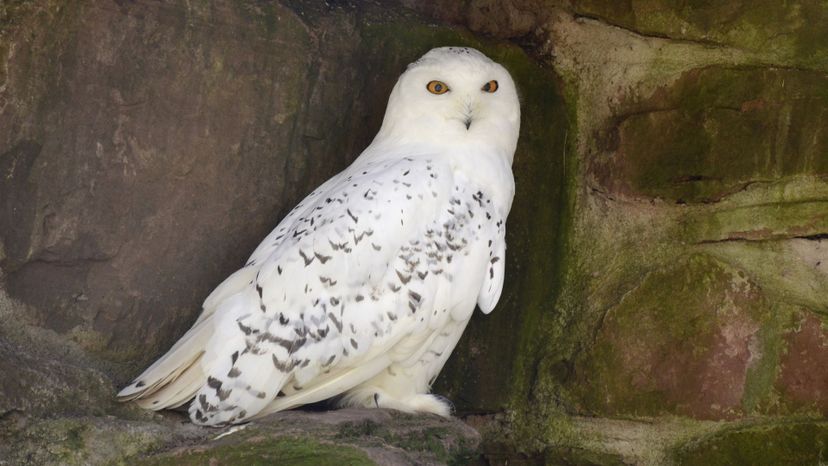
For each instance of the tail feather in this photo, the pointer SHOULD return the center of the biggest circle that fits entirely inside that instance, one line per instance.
(327, 386)
(174, 374)
(181, 387)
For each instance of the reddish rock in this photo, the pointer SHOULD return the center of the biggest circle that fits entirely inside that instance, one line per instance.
(803, 378)
(682, 342)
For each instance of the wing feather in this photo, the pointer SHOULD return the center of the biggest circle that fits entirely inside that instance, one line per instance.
(330, 299)
(366, 271)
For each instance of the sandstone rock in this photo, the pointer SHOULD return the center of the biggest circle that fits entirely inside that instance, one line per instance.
(714, 131)
(683, 341)
(351, 436)
(803, 378)
(791, 30)
(791, 442)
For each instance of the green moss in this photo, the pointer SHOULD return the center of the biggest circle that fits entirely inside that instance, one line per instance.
(581, 457)
(676, 343)
(787, 443)
(717, 129)
(771, 221)
(282, 451)
(758, 394)
(78, 440)
(434, 442)
(792, 31)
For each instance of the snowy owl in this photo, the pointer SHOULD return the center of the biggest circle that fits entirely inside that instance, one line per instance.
(364, 289)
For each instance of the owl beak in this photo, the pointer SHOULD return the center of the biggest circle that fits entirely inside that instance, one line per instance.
(468, 112)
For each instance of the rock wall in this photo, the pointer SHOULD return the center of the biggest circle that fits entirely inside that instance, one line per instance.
(667, 245)
(694, 272)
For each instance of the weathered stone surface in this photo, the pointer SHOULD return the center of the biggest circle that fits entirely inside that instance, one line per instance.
(682, 341)
(155, 148)
(349, 436)
(792, 442)
(776, 30)
(44, 375)
(803, 375)
(84, 440)
(715, 130)
(346, 436)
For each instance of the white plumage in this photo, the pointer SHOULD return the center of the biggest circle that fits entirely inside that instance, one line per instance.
(364, 289)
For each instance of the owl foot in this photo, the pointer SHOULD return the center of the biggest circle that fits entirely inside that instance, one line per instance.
(418, 403)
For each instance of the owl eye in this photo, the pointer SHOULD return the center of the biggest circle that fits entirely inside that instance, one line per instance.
(437, 87)
(490, 86)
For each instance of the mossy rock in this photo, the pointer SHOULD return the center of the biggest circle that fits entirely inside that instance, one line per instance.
(776, 444)
(717, 129)
(792, 31)
(293, 451)
(803, 374)
(681, 342)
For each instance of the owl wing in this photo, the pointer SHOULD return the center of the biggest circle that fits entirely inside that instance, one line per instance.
(495, 269)
(315, 301)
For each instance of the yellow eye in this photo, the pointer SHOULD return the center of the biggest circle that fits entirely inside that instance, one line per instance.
(490, 86)
(437, 87)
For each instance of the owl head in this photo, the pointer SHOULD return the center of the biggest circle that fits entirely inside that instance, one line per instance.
(454, 96)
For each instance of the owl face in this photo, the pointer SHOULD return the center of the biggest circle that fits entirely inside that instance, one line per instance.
(454, 96)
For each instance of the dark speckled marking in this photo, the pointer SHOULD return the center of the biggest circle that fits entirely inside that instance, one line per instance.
(404, 279)
(353, 217)
(269, 337)
(337, 322)
(247, 330)
(306, 258)
(213, 382)
(282, 366)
